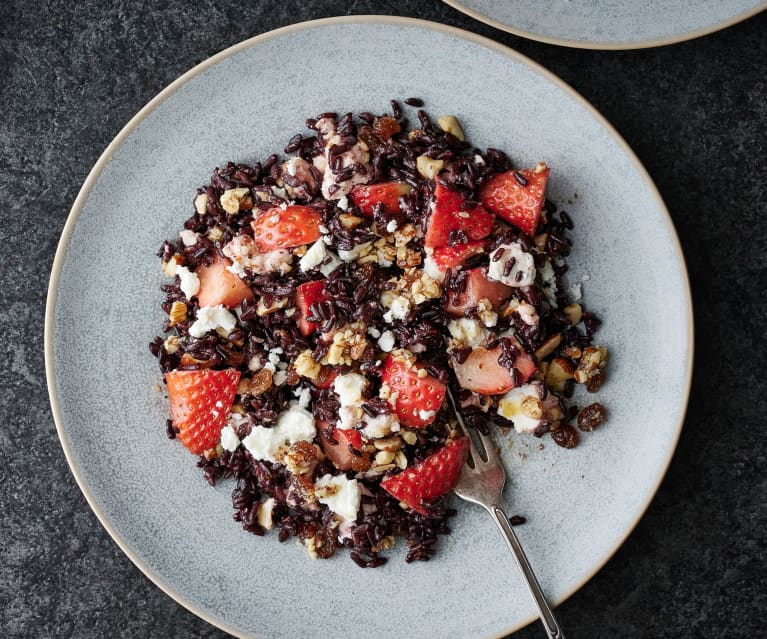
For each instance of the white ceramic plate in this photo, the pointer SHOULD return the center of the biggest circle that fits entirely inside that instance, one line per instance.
(103, 309)
(610, 24)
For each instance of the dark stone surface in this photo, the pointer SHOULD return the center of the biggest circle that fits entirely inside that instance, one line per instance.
(72, 74)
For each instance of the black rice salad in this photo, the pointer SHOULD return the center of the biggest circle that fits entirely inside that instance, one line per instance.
(324, 301)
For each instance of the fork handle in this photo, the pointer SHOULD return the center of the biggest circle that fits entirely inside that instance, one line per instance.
(553, 630)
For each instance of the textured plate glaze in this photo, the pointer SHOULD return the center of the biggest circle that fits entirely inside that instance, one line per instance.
(103, 309)
(610, 24)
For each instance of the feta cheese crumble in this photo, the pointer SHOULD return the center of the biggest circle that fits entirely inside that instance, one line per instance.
(189, 283)
(229, 439)
(340, 494)
(522, 271)
(271, 444)
(349, 388)
(386, 341)
(522, 405)
(400, 307)
(209, 318)
(469, 332)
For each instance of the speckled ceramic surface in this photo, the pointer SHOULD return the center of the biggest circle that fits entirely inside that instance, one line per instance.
(610, 24)
(103, 310)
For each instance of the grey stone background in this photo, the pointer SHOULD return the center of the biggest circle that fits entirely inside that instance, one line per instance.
(72, 74)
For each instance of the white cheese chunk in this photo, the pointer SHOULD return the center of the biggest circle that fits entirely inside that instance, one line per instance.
(189, 283)
(340, 494)
(522, 271)
(209, 318)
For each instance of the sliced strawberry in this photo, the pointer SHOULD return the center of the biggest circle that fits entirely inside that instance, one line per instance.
(339, 453)
(200, 402)
(366, 196)
(433, 477)
(417, 398)
(450, 213)
(480, 371)
(218, 285)
(307, 294)
(477, 286)
(521, 205)
(285, 228)
(453, 257)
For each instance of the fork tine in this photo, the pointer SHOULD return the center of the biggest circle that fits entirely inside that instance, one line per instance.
(473, 452)
(491, 452)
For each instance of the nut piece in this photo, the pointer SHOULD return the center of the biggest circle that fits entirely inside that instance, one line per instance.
(549, 346)
(540, 241)
(409, 436)
(301, 457)
(388, 444)
(177, 314)
(201, 203)
(449, 124)
(349, 221)
(427, 167)
(590, 369)
(574, 313)
(306, 366)
(232, 200)
(172, 344)
(558, 372)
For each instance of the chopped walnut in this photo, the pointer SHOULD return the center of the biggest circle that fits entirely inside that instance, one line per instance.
(428, 167)
(201, 203)
(549, 346)
(590, 369)
(557, 374)
(574, 313)
(301, 458)
(172, 344)
(169, 267)
(348, 344)
(277, 304)
(306, 366)
(177, 314)
(449, 124)
(232, 200)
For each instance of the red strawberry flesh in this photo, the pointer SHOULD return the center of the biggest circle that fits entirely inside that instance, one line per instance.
(218, 285)
(517, 197)
(418, 398)
(478, 286)
(308, 294)
(450, 213)
(366, 196)
(480, 371)
(434, 477)
(200, 401)
(285, 228)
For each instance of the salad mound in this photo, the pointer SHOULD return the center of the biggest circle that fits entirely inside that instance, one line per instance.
(323, 303)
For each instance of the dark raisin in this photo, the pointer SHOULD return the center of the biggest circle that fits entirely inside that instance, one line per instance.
(565, 436)
(591, 417)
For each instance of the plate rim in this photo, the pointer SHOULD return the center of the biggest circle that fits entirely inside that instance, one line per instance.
(106, 156)
(608, 46)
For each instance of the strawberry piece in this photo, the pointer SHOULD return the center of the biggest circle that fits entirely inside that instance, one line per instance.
(307, 294)
(450, 213)
(200, 402)
(285, 228)
(480, 371)
(339, 453)
(445, 257)
(477, 286)
(218, 285)
(521, 205)
(418, 398)
(366, 196)
(433, 477)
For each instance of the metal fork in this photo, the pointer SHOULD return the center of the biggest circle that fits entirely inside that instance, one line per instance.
(481, 482)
